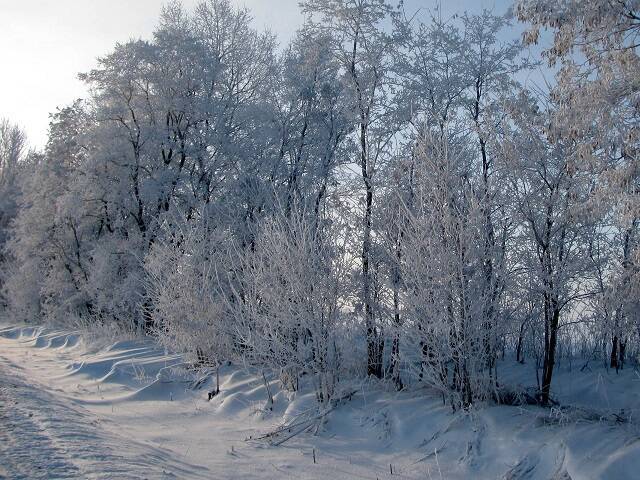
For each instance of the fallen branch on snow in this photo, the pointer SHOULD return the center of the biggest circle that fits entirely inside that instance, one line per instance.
(306, 421)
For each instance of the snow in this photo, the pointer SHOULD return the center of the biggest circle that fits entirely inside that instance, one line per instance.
(74, 408)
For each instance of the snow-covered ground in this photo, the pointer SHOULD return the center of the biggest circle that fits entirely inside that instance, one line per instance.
(71, 408)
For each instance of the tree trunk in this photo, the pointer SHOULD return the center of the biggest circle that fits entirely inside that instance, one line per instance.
(519, 353)
(374, 342)
(395, 347)
(614, 353)
(552, 319)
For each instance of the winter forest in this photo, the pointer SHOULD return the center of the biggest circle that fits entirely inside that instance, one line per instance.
(380, 199)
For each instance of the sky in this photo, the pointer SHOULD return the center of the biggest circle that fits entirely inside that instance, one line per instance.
(44, 44)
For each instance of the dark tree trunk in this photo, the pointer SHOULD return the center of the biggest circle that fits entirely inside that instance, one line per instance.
(623, 347)
(519, 353)
(614, 353)
(552, 319)
(374, 338)
(395, 347)
(395, 354)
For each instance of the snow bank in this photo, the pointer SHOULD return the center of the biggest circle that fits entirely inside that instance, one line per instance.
(152, 395)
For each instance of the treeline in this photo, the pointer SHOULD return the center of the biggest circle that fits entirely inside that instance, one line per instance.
(382, 197)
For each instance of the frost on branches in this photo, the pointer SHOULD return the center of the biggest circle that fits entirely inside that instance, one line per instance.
(380, 199)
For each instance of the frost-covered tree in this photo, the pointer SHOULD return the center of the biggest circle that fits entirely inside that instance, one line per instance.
(456, 77)
(442, 273)
(314, 120)
(596, 45)
(48, 237)
(183, 272)
(550, 194)
(288, 305)
(364, 50)
(379, 196)
(12, 169)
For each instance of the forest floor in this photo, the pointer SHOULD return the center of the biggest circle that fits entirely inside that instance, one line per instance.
(71, 407)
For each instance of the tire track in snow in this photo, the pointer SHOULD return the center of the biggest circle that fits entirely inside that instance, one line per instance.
(42, 437)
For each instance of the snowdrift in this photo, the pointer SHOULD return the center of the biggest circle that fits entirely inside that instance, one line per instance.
(374, 432)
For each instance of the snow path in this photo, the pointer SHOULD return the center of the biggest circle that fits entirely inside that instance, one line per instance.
(71, 410)
(46, 436)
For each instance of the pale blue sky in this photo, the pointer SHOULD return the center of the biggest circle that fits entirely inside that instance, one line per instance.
(45, 43)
